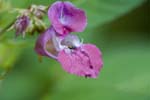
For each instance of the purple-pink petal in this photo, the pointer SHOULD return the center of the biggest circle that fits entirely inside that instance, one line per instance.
(66, 18)
(45, 46)
(83, 61)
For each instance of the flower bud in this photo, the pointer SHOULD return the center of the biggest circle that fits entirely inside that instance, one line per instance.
(38, 11)
(21, 25)
(39, 25)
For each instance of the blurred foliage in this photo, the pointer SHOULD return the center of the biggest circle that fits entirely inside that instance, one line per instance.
(7, 58)
(120, 28)
(4, 6)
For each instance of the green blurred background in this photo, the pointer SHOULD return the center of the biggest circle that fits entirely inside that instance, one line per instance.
(120, 28)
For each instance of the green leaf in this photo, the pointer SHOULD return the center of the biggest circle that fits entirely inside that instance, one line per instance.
(30, 79)
(125, 75)
(100, 12)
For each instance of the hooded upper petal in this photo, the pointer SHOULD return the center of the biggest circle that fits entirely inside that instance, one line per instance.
(82, 61)
(45, 45)
(66, 18)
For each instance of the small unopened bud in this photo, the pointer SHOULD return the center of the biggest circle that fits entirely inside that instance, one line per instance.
(31, 28)
(38, 11)
(21, 25)
(39, 25)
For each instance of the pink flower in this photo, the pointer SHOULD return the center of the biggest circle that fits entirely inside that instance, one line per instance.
(57, 42)
(66, 18)
(75, 57)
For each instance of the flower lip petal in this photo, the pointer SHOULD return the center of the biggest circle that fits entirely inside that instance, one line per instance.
(66, 18)
(84, 61)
